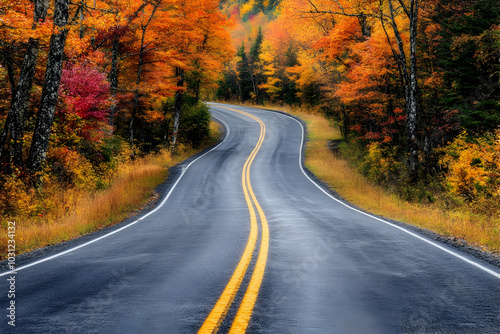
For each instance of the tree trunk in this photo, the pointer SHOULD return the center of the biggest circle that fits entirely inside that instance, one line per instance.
(21, 101)
(409, 81)
(50, 91)
(13, 131)
(8, 63)
(81, 17)
(41, 7)
(345, 124)
(254, 86)
(132, 121)
(113, 77)
(197, 90)
(138, 78)
(391, 113)
(365, 27)
(178, 105)
(413, 91)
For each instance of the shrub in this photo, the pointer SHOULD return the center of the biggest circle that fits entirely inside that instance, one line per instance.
(71, 168)
(474, 170)
(16, 198)
(194, 126)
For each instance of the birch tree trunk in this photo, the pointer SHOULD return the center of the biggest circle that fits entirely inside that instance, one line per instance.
(409, 76)
(178, 105)
(413, 87)
(407, 69)
(50, 91)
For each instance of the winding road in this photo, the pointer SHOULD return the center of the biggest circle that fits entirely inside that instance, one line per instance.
(244, 240)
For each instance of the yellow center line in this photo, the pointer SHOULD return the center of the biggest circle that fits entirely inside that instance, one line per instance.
(244, 314)
(219, 311)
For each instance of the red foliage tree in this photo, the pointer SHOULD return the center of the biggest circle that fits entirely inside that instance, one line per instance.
(85, 92)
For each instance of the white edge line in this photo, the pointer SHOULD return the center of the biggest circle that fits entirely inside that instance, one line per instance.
(126, 226)
(483, 268)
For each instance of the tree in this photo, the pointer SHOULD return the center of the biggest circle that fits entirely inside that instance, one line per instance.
(178, 104)
(141, 59)
(363, 13)
(255, 66)
(50, 92)
(13, 131)
(245, 79)
(409, 75)
(467, 54)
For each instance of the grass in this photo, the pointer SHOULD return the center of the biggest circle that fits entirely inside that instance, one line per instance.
(478, 230)
(80, 213)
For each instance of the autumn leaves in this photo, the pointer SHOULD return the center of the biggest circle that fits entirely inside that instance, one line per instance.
(403, 74)
(139, 47)
(89, 86)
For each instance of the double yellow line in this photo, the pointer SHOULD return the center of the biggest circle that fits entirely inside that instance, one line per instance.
(218, 313)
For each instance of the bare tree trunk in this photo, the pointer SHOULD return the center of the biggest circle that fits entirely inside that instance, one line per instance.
(178, 105)
(50, 91)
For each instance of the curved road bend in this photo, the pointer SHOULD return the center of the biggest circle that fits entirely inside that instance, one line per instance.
(200, 261)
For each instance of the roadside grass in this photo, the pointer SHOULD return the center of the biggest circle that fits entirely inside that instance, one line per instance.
(478, 230)
(79, 213)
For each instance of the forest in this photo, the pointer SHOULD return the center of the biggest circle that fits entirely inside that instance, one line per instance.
(91, 88)
(413, 85)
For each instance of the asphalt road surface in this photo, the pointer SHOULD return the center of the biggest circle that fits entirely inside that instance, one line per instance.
(244, 240)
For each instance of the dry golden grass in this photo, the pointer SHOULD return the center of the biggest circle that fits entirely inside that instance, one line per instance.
(80, 213)
(478, 230)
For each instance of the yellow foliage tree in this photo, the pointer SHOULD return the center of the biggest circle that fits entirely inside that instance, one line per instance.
(474, 170)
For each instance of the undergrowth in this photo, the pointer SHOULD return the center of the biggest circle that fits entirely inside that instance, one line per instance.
(56, 211)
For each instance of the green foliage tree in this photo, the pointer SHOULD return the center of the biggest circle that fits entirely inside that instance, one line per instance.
(289, 90)
(245, 81)
(467, 53)
(255, 65)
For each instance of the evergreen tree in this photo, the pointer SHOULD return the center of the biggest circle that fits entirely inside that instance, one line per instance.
(245, 82)
(471, 83)
(255, 65)
(289, 90)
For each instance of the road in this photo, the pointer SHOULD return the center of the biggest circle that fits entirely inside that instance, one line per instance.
(203, 261)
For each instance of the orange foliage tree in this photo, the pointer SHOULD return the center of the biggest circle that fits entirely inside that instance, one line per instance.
(140, 44)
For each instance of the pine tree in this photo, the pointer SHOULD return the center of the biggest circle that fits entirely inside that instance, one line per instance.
(255, 65)
(245, 81)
